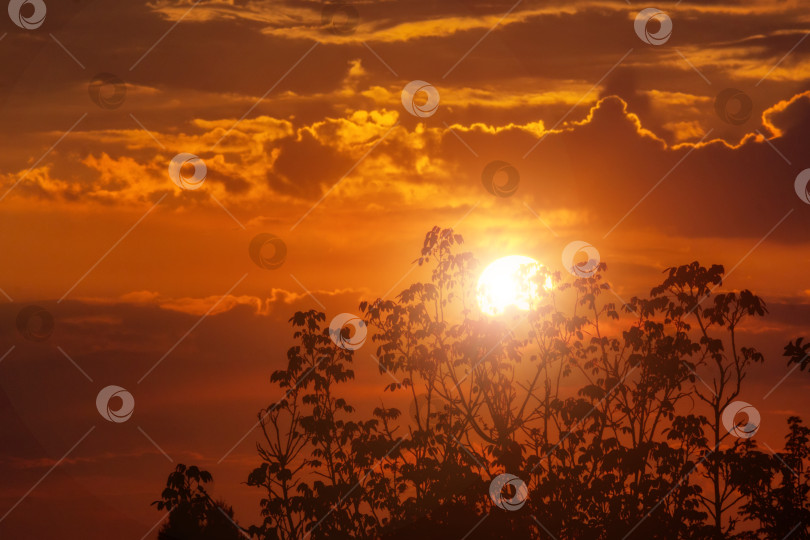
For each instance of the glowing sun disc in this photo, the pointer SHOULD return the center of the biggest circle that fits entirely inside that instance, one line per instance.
(509, 282)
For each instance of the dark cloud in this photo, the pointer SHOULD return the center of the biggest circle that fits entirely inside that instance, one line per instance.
(715, 191)
(306, 167)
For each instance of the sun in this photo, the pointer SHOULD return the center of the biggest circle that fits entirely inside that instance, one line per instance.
(510, 282)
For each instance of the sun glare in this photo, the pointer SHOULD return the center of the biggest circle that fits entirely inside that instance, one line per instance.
(510, 282)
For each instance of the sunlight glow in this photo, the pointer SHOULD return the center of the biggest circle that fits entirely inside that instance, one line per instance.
(510, 281)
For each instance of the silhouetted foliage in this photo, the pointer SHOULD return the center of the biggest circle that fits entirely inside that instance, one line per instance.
(193, 514)
(799, 353)
(610, 413)
(777, 490)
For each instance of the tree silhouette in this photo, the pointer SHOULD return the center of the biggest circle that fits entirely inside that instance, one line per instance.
(611, 414)
(193, 514)
(777, 491)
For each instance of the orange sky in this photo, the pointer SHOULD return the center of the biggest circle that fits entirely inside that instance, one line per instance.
(304, 135)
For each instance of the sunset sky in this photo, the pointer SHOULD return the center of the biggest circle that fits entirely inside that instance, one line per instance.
(302, 129)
